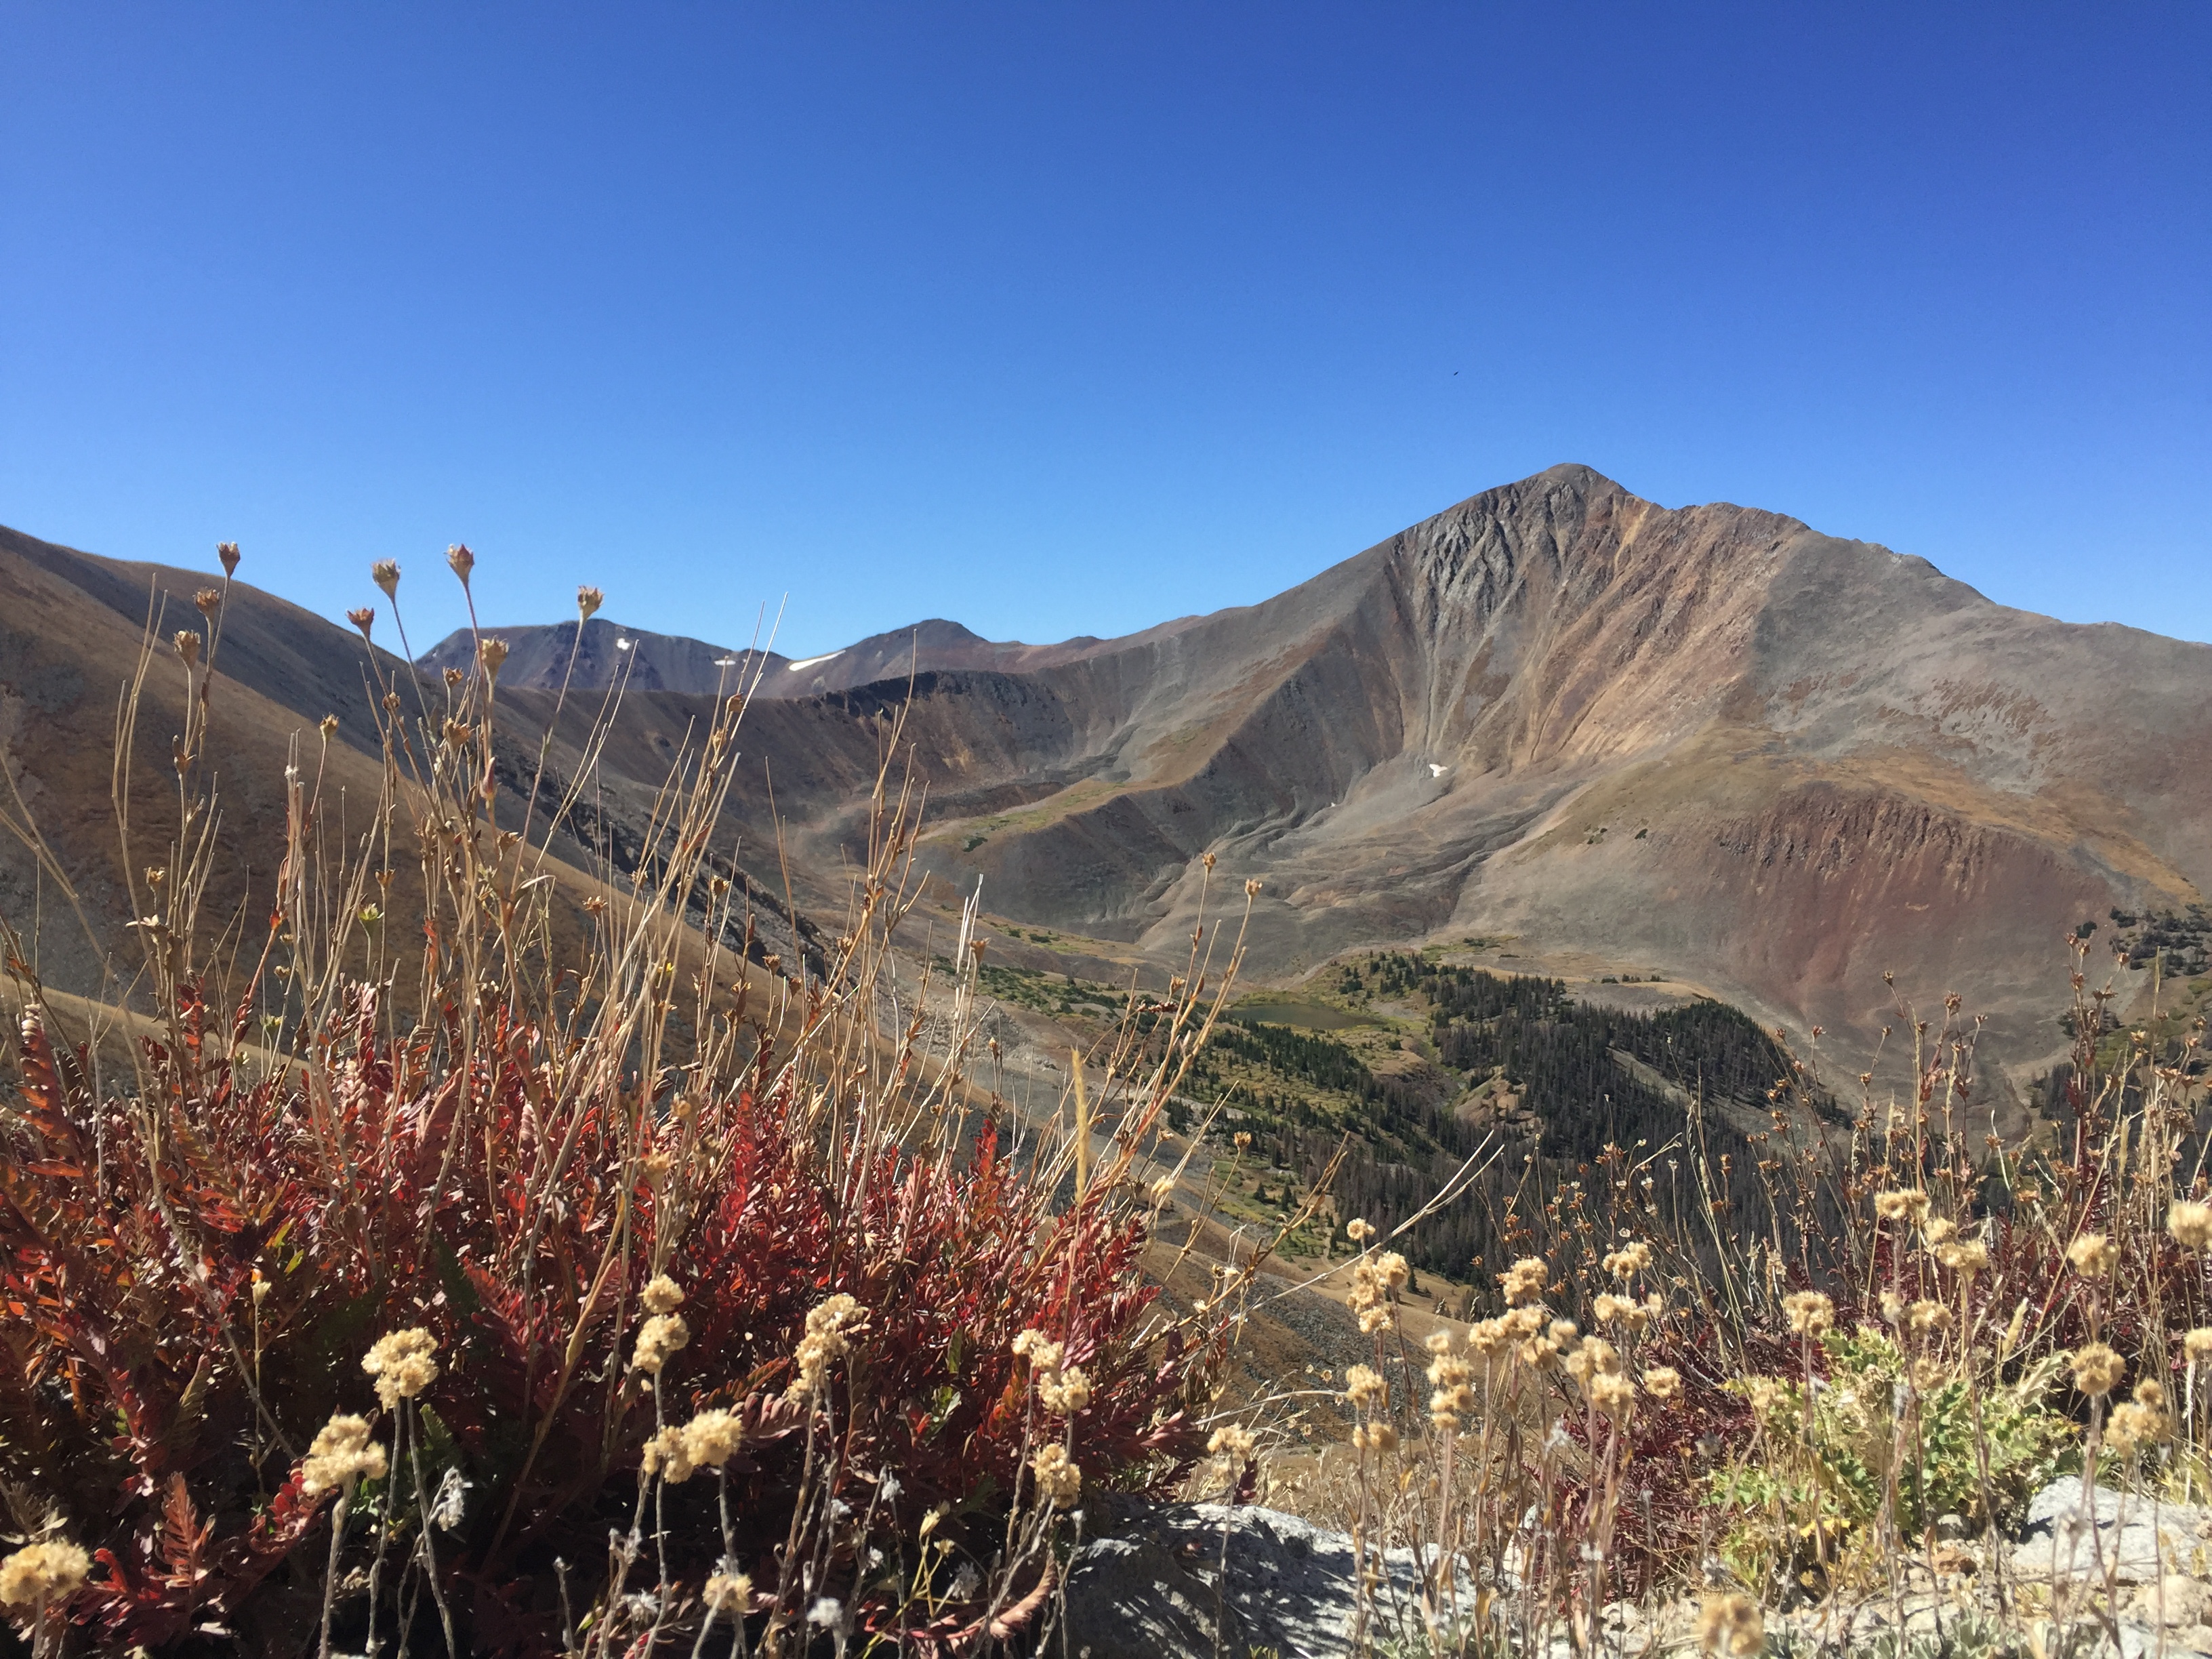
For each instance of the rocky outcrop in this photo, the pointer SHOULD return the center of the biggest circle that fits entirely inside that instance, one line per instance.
(1189, 1581)
(1199, 1579)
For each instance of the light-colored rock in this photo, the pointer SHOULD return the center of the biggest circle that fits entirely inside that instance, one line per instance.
(1158, 1587)
(1155, 1587)
(2133, 1538)
(2180, 1600)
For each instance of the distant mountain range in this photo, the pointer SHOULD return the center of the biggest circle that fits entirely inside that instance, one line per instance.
(547, 655)
(1596, 733)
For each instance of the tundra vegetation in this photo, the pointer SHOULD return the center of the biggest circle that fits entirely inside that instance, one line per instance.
(472, 1256)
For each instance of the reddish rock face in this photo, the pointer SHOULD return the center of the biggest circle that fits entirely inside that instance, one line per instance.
(1708, 741)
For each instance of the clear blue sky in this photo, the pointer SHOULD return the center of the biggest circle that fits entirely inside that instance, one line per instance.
(1060, 317)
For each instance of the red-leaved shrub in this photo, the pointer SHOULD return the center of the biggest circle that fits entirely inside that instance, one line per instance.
(194, 1268)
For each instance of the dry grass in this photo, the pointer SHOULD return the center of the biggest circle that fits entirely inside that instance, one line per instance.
(479, 1255)
(1837, 1398)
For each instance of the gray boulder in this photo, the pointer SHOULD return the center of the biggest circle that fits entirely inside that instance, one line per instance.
(2130, 1535)
(1157, 1586)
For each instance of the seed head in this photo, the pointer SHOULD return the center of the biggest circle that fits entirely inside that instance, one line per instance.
(668, 1454)
(730, 1592)
(1612, 1397)
(342, 1453)
(2190, 1224)
(1448, 1371)
(1538, 1354)
(208, 600)
(385, 573)
(1043, 1353)
(1810, 1313)
(2097, 1370)
(588, 601)
(2094, 1255)
(1252, 887)
(1525, 1280)
(188, 647)
(1901, 1205)
(1923, 1318)
(1358, 1231)
(713, 1437)
(2197, 1345)
(1395, 1271)
(657, 1340)
(1364, 1388)
(1593, 1358)
(1621, 1310)
(1233, 1442)
(1064, 1393)
(462, 560)
(402, 1365)
(39, 1575)
(1058, 1480)
(1662, 1382)
(1485, 1337)
(662, 1295)
(1730, 1627)
(1375, 1436)
(1629, 1260)
(492, 654)
(2134, 1425)
(1519, 1323)
(827, 1338)
(227, 552)
(1963, 1256)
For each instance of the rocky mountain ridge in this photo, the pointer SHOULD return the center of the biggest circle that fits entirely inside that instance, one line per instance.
(1708, 739)
(544, 656)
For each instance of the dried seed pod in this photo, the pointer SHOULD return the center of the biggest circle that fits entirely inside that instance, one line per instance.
(43, 1574)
